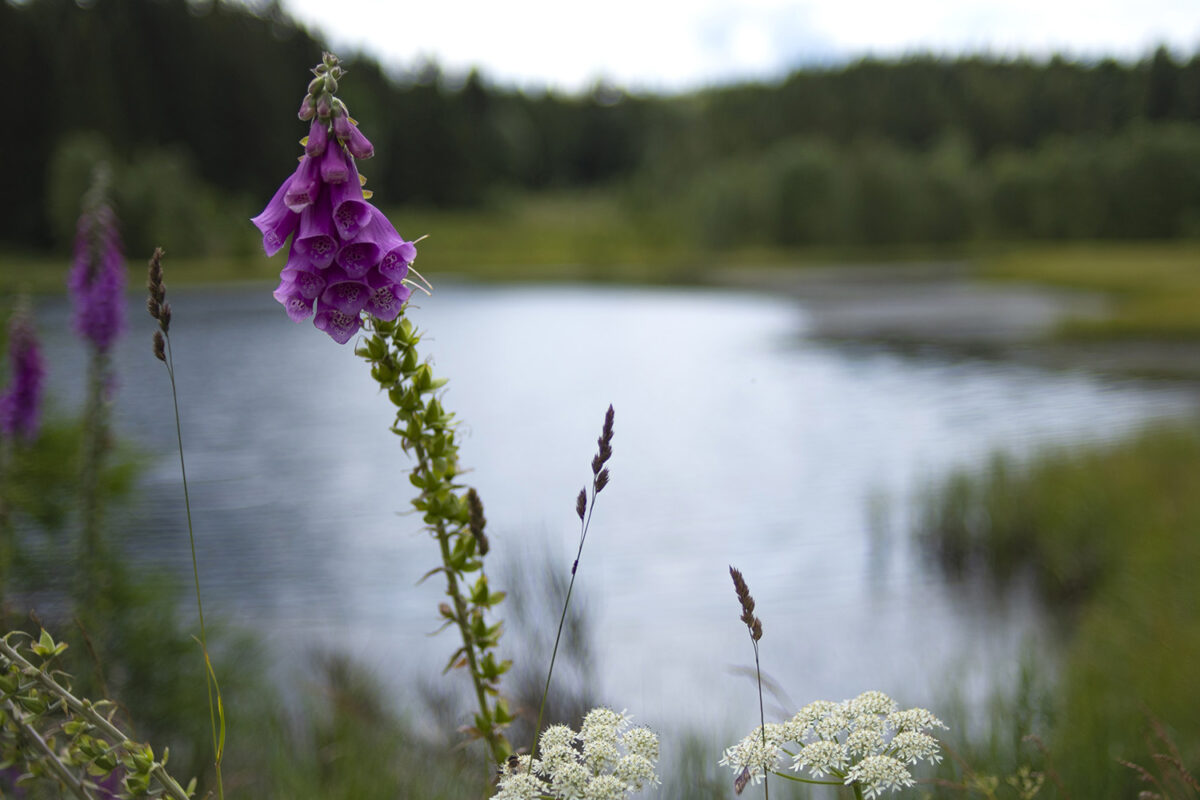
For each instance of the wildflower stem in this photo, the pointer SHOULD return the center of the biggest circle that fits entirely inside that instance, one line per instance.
(209, 678)
(461, 614)
(95, 440)
(797, 779)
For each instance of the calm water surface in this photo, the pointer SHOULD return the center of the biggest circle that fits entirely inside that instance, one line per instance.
(738, 441)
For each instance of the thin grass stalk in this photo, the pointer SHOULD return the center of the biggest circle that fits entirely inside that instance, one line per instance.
(599, 481)
(160, 310)
(209, 677)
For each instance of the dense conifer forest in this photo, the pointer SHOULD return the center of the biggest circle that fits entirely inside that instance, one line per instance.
(193, 100)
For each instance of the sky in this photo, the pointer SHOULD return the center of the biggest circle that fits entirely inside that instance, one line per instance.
(672, 45)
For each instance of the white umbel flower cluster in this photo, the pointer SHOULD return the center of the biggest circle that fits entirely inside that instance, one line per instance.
(606, 760)
(866, 740)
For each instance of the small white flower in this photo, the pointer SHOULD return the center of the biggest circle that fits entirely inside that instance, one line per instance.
(602, 724)
(807, 717)
(914, 719)
(641, 742)
(750, 753)
(871, 702)
(556, 736)
(605, 787)
(636, 772)
(913, 746)
(821, 758)
(570, 781)
(865, 741)
(877, 773)
(519, 786)
(600, 754)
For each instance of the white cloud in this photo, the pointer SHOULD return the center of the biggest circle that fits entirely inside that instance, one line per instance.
(677, 44)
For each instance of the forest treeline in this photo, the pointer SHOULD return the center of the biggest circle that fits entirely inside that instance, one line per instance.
(194, 103)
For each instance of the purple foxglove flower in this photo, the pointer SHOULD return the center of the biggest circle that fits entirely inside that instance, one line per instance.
(358, 145)
(387, 297)
(395, 254)
(316, 239)
(350, 211)
(97, 279)
(358, 257)
(306, 278)
(277, 221)
(299, 307)
(20, 404)
(344, 293)
(335, 167)
(339, 326)
(307, 109)
(305, 185)
(318, 136)
(394, 263)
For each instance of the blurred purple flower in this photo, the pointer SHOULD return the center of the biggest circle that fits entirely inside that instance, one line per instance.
(345, 258)
(97, 278)
(20, 404)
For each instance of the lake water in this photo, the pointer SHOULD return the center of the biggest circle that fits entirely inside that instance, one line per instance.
(739, 440)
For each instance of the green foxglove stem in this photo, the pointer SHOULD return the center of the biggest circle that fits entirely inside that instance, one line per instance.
(7, 535)
(95, 445)
(430, 434)
(797, 779)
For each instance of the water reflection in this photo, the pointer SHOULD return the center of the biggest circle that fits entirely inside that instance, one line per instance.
(737, 441)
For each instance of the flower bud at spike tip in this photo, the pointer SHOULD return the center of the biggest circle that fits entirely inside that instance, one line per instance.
(323, 108)
(341, 127)
(308, 109)
(358, 145)
(317, 85)
(318, 136)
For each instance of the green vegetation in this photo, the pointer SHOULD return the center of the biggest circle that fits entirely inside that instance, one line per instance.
(919, 150)
(1108, 533)
(1154, 287)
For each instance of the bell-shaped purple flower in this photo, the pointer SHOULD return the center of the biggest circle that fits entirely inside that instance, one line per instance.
(307, 279)
(317, 239)
(358, 257)
(340, 326)
(350, 211)
(20, 405)
(299, 307)
(305, 185)
(97, 279)
(387, 297)
(395, 254)
(277, 221)
(346, 294)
